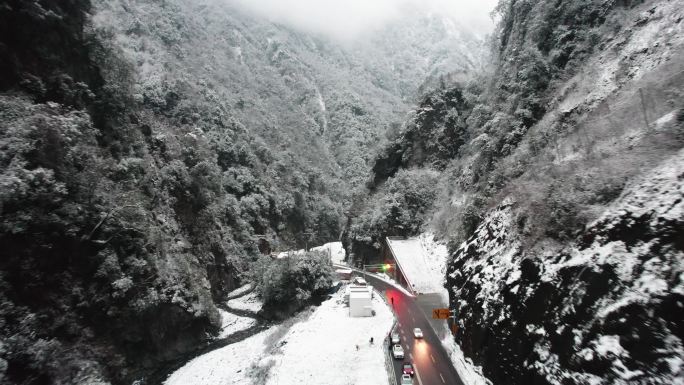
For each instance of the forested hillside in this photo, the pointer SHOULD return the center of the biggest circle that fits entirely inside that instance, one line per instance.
(323, 104)
(154, 154)
(151, 151)
(559, 187)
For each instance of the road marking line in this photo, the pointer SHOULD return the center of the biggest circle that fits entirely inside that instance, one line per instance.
(411, 356)
(440, 376)
(415, 369)
(433, 358)
(414, 320)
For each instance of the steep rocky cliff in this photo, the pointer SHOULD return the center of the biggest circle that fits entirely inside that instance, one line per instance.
(574, 275)
(607, 308)
(559, 188)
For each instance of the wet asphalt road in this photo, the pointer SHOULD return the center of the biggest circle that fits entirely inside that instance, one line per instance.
(428, 356)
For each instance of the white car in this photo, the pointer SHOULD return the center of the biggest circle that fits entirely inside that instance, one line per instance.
(397, 351)
(417, 333)
(406, 379)
(395, 338)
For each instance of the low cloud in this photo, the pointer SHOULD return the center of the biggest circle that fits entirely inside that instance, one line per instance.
(349, 19)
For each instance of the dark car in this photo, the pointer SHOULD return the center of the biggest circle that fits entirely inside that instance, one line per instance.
(407, 368)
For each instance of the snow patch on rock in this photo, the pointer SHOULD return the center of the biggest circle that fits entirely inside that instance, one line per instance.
(614, 299)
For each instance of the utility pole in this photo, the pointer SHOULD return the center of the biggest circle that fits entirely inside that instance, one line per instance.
(453, 316)
(643, 109)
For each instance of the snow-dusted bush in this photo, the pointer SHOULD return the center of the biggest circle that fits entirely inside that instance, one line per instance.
(290, 283)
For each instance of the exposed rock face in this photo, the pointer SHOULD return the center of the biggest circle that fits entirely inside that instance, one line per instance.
(433, 134)
(547, 168)
(606, 309)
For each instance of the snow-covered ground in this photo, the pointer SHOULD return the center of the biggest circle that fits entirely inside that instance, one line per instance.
(435, 256)
(285, 254)
(249, 302)
(322, 349)
(240, 290)
(229, 365)
(231, 323)
(335, 250)
(318, 350)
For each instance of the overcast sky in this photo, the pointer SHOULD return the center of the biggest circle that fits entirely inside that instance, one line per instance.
(348, 19)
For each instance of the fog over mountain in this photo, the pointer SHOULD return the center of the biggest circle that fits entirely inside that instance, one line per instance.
(349, 20)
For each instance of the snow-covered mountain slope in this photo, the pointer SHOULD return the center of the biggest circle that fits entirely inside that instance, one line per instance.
(423, 50)
(606, 309)
(327, 102)
(561, 171)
